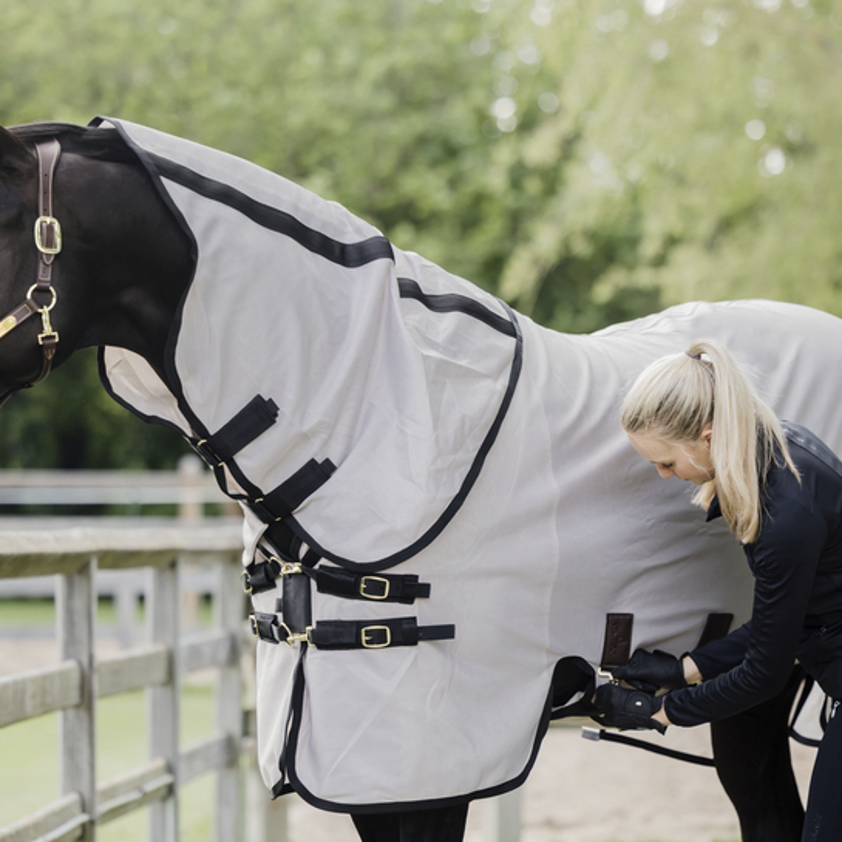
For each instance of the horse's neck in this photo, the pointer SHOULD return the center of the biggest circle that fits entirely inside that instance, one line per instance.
(127, 269)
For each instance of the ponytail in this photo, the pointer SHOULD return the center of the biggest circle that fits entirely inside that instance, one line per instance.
(677, 396)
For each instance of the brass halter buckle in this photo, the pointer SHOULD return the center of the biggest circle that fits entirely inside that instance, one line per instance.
(48, 241)
(43, 225)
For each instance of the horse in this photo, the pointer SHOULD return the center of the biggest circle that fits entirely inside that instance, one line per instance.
(446, 535)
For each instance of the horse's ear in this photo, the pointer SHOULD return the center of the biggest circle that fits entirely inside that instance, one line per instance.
(15, 156)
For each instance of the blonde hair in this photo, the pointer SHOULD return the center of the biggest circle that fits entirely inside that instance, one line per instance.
(677, 396)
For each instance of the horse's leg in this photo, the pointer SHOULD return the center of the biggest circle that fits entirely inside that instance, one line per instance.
(751, 752)
(443, 824)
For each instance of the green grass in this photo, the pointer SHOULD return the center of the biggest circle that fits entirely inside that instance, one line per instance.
(29, 774)
(29, 751)
(40, 613)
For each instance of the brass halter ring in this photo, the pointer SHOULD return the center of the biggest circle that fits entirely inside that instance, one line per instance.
(47, 307)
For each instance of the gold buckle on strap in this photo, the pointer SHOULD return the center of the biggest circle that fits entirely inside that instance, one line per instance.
(367, 581)
(292, 639)
(43, 223)
(366, 642)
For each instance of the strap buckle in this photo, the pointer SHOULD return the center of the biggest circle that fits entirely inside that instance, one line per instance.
(366, 584)
(269, 628)
(367, 632)
(289, 568)
(206, 452)
(301, 637)
(42, 225)
(247, 588)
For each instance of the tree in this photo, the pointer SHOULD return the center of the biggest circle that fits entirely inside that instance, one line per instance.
(588, 160)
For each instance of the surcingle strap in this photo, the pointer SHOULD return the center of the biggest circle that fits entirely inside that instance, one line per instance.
(254, 419)
(381, 634)
(350, 634)
(282, 501)
(405, 588)
(716, 626)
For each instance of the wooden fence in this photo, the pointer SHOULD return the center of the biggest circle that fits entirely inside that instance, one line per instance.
(79, 561)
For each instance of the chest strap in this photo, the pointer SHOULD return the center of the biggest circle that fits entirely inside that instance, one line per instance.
(254, 419)
(350, 634)
(404, 588)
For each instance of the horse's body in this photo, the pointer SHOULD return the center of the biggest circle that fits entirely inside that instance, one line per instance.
(556, 523)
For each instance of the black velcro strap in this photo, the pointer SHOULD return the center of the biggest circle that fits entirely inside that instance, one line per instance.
(376, 634)
(254, 419)
(282, 501)
(716, 627)
(404, 588)
(267, 627)
(295, 603)
(260, 576)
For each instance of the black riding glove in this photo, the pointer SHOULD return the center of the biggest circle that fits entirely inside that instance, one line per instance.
(651, 671)
(627, 709)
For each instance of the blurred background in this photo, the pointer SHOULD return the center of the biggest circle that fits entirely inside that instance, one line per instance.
(590, 161)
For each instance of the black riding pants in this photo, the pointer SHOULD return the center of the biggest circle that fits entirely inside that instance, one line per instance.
(823, 822)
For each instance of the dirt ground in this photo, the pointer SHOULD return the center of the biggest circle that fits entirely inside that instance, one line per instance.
(579, 790)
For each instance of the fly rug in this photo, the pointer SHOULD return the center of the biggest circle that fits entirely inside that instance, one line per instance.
(439, 501)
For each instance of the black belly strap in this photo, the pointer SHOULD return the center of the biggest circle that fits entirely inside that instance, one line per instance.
(349, 634)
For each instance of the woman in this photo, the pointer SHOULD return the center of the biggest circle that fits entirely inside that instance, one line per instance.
(695, 416)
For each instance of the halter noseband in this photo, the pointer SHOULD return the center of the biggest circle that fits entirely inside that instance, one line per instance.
(48, 243)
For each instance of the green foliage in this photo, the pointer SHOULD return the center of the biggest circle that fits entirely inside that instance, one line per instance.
(588, 160)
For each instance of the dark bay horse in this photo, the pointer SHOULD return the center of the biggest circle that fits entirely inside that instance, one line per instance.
(113, 264)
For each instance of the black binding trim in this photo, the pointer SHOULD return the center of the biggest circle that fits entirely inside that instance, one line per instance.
(290, 782)
(461, 495)
(453, 302)
(344, 254)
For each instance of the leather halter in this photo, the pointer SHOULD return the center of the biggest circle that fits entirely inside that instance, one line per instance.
(48, 243)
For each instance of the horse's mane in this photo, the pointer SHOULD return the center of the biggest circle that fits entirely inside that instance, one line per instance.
(102, 144)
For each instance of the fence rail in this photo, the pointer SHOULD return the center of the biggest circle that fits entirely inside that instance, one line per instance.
(70, 687)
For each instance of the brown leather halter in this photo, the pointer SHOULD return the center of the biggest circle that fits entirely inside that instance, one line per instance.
(48, 243)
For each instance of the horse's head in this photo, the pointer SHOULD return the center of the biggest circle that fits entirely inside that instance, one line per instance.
(24, 341)
(89, 257)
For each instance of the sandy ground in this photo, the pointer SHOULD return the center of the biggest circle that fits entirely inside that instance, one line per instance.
(582, 791)
(579, 790)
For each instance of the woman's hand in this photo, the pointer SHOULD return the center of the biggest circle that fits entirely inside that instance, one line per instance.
(625, 709)
(651, 671)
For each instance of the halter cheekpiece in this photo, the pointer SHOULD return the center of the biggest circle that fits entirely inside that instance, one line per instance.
(48, 243)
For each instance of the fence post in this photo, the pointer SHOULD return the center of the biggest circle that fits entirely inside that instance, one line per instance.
(228, 615)
(505, 817)
(163, 627)
(75, 607)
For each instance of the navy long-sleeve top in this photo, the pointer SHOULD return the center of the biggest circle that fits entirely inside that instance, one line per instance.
(797, 611)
